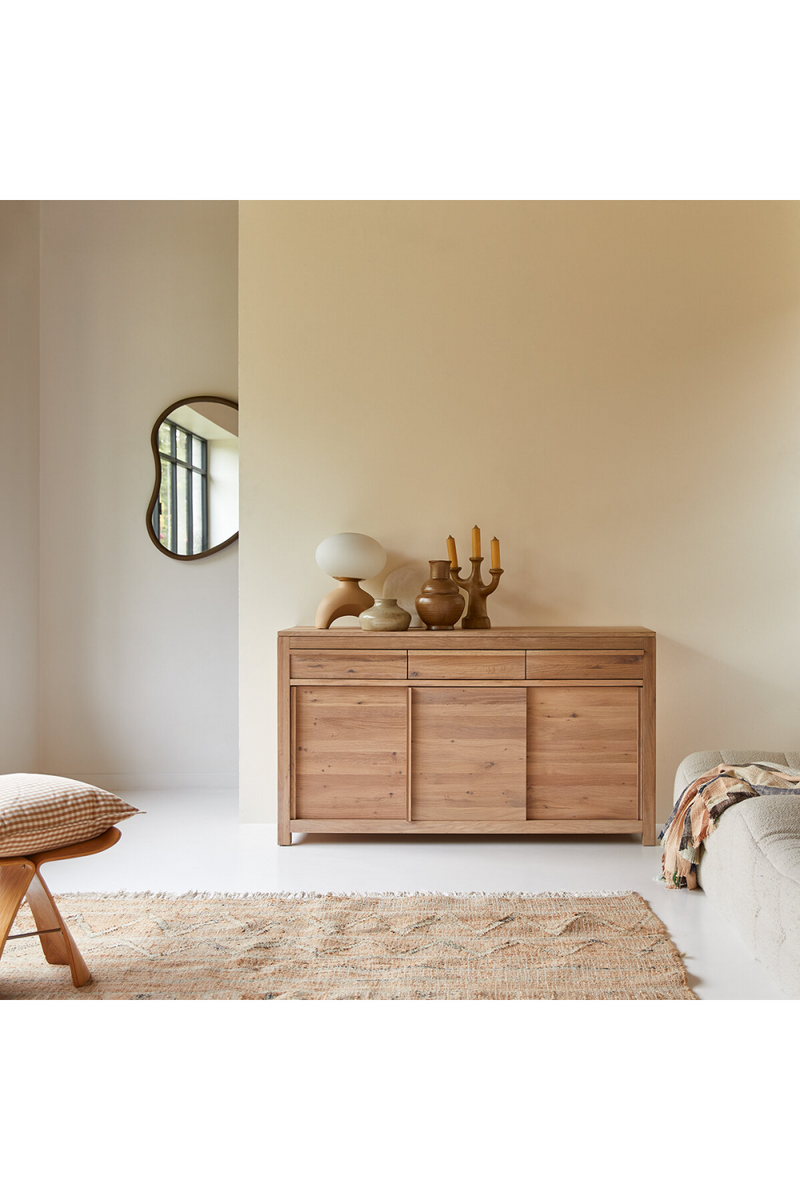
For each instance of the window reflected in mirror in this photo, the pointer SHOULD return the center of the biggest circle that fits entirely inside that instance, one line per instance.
(194, 509)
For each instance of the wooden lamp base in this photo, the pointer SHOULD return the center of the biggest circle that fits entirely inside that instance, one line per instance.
(346, 600)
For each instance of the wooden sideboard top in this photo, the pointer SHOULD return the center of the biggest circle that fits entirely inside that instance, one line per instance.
(503, 637)
(496, 631)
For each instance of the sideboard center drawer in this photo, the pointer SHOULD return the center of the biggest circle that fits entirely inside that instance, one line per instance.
(348, 664)
(466, 664)
(584, 664)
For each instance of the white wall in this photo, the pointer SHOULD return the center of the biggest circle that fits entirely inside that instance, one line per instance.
(138, 652)
(610, 388)
(19, 479)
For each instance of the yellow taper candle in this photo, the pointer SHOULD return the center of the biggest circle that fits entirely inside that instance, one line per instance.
(476, 542)
(451, 553)
(496, 554)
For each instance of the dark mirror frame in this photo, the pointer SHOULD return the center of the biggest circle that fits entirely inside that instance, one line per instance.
(157, 486)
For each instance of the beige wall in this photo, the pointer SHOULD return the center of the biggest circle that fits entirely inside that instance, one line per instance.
(19, 479)
(610, 388)
(138, 652)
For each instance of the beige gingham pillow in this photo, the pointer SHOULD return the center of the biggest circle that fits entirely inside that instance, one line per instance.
(42, 812)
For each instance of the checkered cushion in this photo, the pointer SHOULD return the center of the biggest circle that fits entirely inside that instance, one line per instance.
(43, 812)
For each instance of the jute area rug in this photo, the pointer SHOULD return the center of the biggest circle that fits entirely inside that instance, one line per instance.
(423, 946)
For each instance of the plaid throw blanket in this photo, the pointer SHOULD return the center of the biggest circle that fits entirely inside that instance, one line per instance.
(700, 806)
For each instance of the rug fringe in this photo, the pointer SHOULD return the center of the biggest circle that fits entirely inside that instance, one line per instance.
(344, 895)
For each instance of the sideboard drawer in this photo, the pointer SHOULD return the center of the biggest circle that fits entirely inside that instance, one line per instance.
(466, 664)
(584, 664)
(348, 664)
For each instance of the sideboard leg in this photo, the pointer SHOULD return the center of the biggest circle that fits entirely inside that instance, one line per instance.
(286, 704)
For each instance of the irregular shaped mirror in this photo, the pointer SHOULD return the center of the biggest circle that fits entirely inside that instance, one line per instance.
(194, 508)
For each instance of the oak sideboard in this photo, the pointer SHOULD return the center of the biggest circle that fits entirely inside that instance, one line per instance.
(508, 730)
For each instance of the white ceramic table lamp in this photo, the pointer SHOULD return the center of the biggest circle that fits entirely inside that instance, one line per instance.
(348, 557)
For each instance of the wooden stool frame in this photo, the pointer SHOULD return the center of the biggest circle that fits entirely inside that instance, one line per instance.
(20, 878)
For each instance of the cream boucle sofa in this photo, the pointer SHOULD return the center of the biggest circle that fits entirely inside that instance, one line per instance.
(750, 865)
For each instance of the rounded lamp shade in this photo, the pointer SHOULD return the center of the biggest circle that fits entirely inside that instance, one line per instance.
(351, 556)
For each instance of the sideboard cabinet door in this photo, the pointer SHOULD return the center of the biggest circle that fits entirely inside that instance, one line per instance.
(350, 753)
(468, 754)
(583, 753)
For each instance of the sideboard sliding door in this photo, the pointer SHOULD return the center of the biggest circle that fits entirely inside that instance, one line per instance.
(468, 754)
(351, 753)
(583, 753)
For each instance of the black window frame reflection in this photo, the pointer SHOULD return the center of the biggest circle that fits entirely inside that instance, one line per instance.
(170, 463)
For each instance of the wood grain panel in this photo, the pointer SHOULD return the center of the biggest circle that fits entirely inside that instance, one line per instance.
(648, 755)
(467, 639)
(500, 638)
(516, 827)
(468, 754)
(583, 753)
(584, 664)
(350, 664)
(634, 683)
(285, 746)
(466, 664)
(350, 755)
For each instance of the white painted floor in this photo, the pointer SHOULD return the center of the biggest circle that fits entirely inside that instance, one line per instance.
(193, 841)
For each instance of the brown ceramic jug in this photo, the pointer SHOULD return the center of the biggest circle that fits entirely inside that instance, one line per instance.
(440, 602)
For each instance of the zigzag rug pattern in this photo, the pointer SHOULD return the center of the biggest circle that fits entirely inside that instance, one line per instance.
(417, 946)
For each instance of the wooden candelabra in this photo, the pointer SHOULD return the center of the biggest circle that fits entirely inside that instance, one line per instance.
(477, 591)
